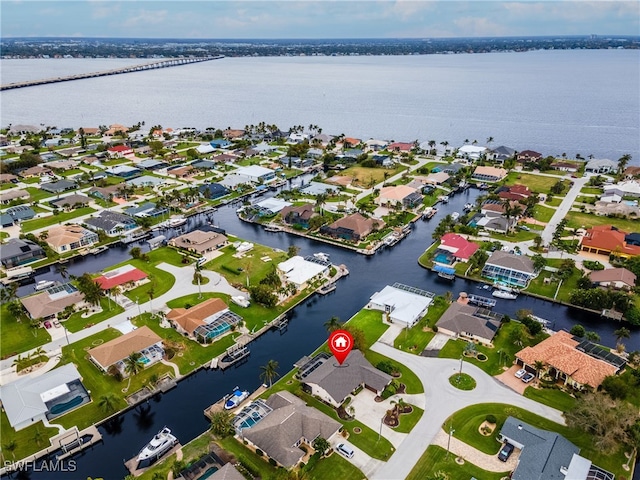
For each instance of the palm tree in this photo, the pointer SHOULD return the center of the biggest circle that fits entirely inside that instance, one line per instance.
(592, 336)
(197, 277)
(320, 199)
(9, 293)
(38, 436)
(62, 271)
(11, 446)
(15, 309)
(269, 372)
(133, 363)
(622, 162)
(621, 333)
(37, 353)
(332, 324)
(107, 402)
(538, 365)
(221, 423)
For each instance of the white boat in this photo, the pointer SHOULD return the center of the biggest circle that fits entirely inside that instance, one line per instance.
(236, 398)
(42, 284)
(241, 301)
(468, 206)
(504, 294)
(97, 250)
(455, 216)
(177, 222)
(160, 444)
(324, 257)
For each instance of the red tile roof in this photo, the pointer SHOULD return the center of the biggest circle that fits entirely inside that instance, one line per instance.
(133, 275)
(119, 148)
(464, 247)
(402, 146)
(604, 237)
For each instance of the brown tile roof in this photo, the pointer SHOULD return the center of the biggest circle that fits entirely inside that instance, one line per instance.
(64, 235)
(120, 348)
(631, 171)
(357, 224)
(605, 237)
(490, 171)
(191, 318)
(559, 351)
(42, 305)
(199, 240)
(397, 192)
(304, 211)
(613, 275)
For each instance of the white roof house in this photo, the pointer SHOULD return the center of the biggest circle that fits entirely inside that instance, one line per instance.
(25, 400)
(205, 148)
(405, 305)
(471, 152)
(256, 173)
(271, 206)
(630, 188)
(299, 271)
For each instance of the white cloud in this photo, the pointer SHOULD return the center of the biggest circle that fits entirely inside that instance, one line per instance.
(145, 17)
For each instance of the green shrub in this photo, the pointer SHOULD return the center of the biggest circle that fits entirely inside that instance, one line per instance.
(593, 265)
(259, 452)
(273, 462)
(490, 418)
(229, 269)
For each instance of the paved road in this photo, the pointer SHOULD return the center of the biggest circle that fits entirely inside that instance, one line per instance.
(441, 401)
(563, 209)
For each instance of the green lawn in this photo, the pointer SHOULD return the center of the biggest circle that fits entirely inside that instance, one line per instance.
(76, 323)
(416, 338)
(591, 190)
(257, 466)
(536, 183)
(25, 438)
(72, 171)
(410, 379)
(587, 220)
(51, 220)
(462, 381)
(334, 467)
(517, 236)
(17, 336)
(36, 194)
(408, 421)
(467, 421)
(554, 201)
(548, 290)
(250, 264)
(367, 177)
(435, 459)
(551, 397)
(369, 321)
(542, 213)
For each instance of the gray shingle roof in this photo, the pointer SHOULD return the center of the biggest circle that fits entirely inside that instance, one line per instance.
(290, 420)
(16, 246)
(461, 318)
(340, 382)
(521, 263)
(543, 454)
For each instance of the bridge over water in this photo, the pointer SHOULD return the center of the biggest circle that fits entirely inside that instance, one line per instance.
(173, 62)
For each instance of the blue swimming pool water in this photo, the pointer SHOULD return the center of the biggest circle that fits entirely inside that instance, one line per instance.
(210, 471)
(145, 360)
(442, 258)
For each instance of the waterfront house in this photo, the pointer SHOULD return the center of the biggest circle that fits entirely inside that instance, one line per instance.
(631, 173)
(119, 151)
(528, 156)
(301, 272)
(458, 246)
(629, 188)
(20, 213)
(256, 173)
(52, 301)
(142, 340)
(470, 323)
(515, 192)
(471, 152)
(350, 142)
(437, 178)
(451, 168)
(13, 194)
(601, 165)
(125, 275)
(614, 277)
(401, 304)
(489, 174)
(188, 320)
(30, 399)
(400, 147)
(333, 385)
(123, 171)
(64, 238)
(298, 215)
(566, 359)
(353, 227)
(199, 241)
(607, 240)
(401, 196)
(70, 201)
(220, 143)
(501, 154)
(16, 252)
(115, 129)
(59, 186)
(146, 209)
(565, 167)
(510, 269)
(212, 190)
(547, 455)
(289, 424)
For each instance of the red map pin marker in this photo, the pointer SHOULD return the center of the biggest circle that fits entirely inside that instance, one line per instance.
(340, 344)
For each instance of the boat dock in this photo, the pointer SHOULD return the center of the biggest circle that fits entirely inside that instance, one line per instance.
(481, 301)
(328, 288)
(73, 441)
(132, 463)
(234, 355)
(219, 405)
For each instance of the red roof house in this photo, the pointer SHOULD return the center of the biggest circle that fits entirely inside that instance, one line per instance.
(120, 276)
(119, 151)
(606, 239)
(400, 147)
(459, 246)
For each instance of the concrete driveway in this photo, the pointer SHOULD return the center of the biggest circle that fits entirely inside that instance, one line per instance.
(371, 413)
(360, 460)
(441, 401)
(508, 378)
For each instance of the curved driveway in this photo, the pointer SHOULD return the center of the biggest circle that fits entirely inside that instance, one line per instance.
(441, 401)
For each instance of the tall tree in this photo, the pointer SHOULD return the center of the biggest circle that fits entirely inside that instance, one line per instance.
(269, 372)
(332, 324)
(133, 363)
(107, 402)
(621, 333)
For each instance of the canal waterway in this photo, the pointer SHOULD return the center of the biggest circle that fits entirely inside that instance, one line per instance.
(181, 409)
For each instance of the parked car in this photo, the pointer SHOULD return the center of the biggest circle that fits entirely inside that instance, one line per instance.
(505, 452)
(521, 373)
(56, 323)
(525, 228)
(528, 377)
(47, 324)
(345, 450)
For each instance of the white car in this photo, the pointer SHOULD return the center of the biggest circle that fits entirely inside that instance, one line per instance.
(345, 450)
(520, 373)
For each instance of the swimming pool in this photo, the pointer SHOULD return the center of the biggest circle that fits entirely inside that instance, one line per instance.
(443, 258)
(210, 471)
(63, 407)
(145, 360)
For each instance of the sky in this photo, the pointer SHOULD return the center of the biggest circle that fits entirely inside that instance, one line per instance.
(235, 19)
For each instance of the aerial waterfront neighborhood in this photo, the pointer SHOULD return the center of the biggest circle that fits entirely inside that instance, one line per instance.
(120, 281)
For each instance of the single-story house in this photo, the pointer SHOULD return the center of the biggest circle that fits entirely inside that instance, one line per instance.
(58, 187)
(16, 252)
(546, 455)
(605, 240)
(63, 164)
(501, 154)
(399, 195)
(213, 190)
(400, 147)
(489, 174)
(437, 178)
(8, 196)
(142, 340)
(564, 166)
(181, 171)
(203, 164)
(353, 227)
(70, 201)
(333, 385)
(50, 302)
(508, 268)
(298, 215)
(631, 172)
(350, 142)
(220, 143)
(402, 304)
(468, 322)
(187, 320)
(104, 193)
(271, 206)
(205, 148)
(300, 272)
(224, 158)
(152, 164)
(498, 224)
(471, 152)
(199, 241)
(120, 276)
(146, 181)
(461, 248)
(451, 168)
(565, 361)
(375, 144)
(317, 188)
(604, 208)
(29, 399)
(610, 198)
(614, 277)
(64, 238)
(147, 209)
(123, 171)
(288, 424)
(629, 188)
(6, 221)
(601, 165)
(112, 223)
(36, 171)
(256, 173)
(515, 192)
(8, 178)
(20, 213)
(119, 151)
(527, 156)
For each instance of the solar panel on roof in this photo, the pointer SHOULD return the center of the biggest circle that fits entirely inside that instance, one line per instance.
(601, 353)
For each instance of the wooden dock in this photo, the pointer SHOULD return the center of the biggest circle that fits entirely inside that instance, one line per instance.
(234, 355)
(219, 405)
(173, 62)
(132, 463)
